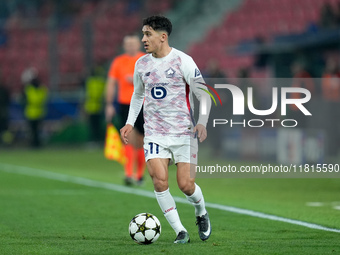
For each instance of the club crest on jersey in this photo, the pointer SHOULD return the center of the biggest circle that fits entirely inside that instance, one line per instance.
(197, 72)
(170, 73)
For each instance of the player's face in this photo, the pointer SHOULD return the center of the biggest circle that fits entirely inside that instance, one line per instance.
(131, 45)
(152, 40)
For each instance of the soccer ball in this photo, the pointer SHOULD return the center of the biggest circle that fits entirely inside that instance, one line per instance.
(145, 228)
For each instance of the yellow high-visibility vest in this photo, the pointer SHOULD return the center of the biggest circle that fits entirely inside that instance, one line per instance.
(36, 99)
(94, 94)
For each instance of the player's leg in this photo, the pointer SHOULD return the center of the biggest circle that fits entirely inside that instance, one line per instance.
(128, 148)
(140, 158)
(192, 191)
(194, 194)
(135, 157)
(130, 159)
(158, 170)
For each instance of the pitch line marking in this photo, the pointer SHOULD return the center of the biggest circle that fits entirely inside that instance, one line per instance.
(315, 204)
(119, 188)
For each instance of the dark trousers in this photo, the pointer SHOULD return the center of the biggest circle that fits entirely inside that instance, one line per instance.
(95, 123)
(34, 126)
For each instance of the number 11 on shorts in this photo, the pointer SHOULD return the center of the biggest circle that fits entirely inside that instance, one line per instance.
(154, 146)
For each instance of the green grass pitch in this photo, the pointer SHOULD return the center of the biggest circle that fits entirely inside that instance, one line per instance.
(46, 216)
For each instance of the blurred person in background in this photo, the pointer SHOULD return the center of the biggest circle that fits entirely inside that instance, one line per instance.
(261, 57)
(301, 79)
(244, 82)
(120, 82)
(330, 87)
(331, 81)
(4, 111)
(215, 75)
(34, 100)
(337, 13)
(213, 70)
(94, 101)
(328, 17)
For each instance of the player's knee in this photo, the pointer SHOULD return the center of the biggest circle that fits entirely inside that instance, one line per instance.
(186, 186)
(160, 184)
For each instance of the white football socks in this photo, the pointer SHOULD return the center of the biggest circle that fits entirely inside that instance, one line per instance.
(168, 207)
(197, 200)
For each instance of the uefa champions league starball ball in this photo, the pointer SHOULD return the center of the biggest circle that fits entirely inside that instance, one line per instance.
(144, 228)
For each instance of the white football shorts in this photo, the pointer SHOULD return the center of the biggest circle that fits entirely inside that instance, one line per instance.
(177, 149)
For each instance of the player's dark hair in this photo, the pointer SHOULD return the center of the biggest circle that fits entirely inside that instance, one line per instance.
(158, 22)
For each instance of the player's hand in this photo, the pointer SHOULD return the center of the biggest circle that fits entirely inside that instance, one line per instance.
(201, 132)
(124, 132)
(110, 111)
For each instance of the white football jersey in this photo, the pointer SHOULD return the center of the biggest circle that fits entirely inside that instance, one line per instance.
(165, 85)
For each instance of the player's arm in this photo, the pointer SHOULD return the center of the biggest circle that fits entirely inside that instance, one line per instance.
(194, 78)
(110, 111)
(136, 103)
(111, 88)
(203, 98)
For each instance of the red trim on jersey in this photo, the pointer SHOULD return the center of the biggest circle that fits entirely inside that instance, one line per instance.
(187, 91)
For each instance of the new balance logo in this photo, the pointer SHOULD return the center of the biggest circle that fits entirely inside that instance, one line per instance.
(198, 201)
(169, 210)
(147, 74)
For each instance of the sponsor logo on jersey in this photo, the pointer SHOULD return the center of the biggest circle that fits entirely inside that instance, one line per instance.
(158, 84)
(158, 92)
(197, 72)
(170, 73)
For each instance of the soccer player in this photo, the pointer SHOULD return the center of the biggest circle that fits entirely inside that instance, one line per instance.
(164, 77)
(121, 75)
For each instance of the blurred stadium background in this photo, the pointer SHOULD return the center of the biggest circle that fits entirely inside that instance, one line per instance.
(65, 41)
